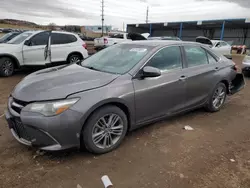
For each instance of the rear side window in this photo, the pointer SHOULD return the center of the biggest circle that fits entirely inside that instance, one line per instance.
(195, 56)
(61, 38)
(40, 39)
(211, 59)
(167, 59)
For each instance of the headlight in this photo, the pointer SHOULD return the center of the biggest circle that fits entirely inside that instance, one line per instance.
(51, 108)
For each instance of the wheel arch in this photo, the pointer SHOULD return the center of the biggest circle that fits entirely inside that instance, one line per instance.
(226, 82)
(120, 103)
(74, 53)
(12, 57)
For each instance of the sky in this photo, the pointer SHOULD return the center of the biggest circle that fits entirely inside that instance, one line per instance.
(117, 12)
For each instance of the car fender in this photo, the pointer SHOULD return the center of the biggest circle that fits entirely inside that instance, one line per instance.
(11, 56)
(111, 101)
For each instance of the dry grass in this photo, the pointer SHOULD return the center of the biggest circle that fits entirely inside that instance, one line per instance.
(17, 27)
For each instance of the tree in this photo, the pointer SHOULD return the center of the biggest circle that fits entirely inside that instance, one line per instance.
(52, 26)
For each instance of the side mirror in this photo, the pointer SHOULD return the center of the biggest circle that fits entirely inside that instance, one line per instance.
(149, 71)
(27, 43)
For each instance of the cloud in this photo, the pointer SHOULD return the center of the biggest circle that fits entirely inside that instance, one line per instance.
(44, 8)
(88, 12)
(242, 3)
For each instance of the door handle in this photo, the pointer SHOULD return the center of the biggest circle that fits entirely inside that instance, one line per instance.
(183, 78)
(216, 68)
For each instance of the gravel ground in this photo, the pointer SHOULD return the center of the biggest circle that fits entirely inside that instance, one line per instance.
(215, 154)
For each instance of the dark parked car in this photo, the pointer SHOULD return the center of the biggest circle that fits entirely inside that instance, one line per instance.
(96, 102)
(7, 37)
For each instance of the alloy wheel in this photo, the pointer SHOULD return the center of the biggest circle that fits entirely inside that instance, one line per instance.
(74, 59)
(107, 131)
(7, 67)
(219, 97)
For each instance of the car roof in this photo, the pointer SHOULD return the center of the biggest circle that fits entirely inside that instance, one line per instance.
(217, 41)
(39, 31)
(160, 42)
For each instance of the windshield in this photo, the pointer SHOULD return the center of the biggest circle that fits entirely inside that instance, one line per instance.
(117, 59)
(20, 38)
(5, 36)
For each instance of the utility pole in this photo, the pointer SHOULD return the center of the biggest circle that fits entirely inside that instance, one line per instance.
(147, 15)
(102, 16)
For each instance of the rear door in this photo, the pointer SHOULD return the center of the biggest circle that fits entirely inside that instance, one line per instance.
(200, 70)
(33, 54)
(62, 44)
(163, 95)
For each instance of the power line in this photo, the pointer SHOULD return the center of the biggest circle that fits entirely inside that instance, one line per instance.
(102, 15)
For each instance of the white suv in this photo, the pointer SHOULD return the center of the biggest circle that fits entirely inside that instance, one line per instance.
(31, 49)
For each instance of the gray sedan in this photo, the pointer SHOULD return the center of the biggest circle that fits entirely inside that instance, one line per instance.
(96, 102)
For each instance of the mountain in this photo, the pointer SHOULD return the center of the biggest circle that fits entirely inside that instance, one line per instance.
(18, 22)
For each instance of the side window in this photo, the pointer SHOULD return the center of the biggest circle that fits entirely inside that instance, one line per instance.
(167, 59)
(211, 59)
(61, 38)
(40, 39)
(195, 56)
(218, 44)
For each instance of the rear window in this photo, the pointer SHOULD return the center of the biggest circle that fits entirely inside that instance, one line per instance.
(61, 38)
(116, 35)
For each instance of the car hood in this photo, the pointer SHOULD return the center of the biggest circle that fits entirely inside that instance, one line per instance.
(59, 82)
(6, 48)
(204, 40)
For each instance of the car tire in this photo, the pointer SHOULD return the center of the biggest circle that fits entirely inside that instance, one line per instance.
(74, 58)
(96, 126)
(217, 98)
(6, 66)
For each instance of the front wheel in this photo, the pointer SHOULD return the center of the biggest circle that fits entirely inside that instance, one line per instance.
(217, 98)
(6, 67)
(105, 130)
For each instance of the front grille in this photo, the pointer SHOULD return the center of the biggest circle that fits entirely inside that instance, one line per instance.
(20, 129)
(17, 105)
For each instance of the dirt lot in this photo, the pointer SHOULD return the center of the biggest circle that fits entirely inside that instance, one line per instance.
(159, 155)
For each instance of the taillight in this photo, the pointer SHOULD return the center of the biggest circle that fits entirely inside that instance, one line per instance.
(235, 67)
(105, 41)
(84, 46)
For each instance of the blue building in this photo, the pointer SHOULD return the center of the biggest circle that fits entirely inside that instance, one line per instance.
(236, 30)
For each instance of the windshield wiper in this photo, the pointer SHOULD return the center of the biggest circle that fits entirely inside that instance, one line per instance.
(92, 68)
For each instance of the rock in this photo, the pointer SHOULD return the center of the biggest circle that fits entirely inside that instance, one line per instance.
(182, 176)
(78, 186)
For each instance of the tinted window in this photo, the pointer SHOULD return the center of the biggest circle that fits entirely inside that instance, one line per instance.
(116, 35)
(61, 38)
(195, 56)
(40, 39)
(167, 59)
(211, 59)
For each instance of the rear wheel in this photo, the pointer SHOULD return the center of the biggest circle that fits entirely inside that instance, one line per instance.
(105, 130)
(6, 67)
(217, 98)
(75, 58)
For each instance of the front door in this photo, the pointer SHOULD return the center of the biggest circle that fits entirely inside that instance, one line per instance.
(163, 95)
(33, 54)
